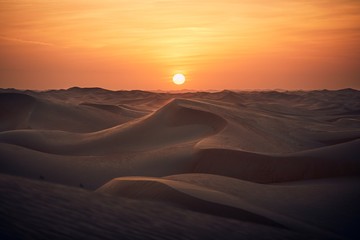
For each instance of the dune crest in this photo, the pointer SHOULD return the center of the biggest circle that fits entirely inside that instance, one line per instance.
(331, 161)
(280, 163)
(170, 125)
(184, 191)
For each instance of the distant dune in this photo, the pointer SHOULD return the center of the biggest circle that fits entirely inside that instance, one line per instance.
(259, 164)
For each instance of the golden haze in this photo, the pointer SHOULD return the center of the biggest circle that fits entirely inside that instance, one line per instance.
(121, 44)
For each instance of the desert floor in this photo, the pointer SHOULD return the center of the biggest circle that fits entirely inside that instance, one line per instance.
(88, 163)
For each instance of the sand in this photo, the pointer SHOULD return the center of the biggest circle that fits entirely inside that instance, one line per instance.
(270, 165)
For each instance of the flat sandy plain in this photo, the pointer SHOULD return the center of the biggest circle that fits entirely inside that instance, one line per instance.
(88, 163)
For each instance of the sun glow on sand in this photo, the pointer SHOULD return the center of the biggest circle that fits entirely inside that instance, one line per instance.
(179, 79)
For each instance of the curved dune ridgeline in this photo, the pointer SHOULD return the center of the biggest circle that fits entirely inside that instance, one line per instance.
(326, 162)
(195, 165)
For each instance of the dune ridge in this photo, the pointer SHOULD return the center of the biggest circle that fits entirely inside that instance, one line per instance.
(285, 162)
(330, 161)
(24, 111)
(182, 192)
(171, 124)
(183, 195)
(76, 213)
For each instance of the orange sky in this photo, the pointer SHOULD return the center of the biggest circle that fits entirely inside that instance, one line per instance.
(133, 44)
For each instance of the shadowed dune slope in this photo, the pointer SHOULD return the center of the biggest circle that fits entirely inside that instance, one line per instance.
(37, 210)
(15, 109)
(21, 111)
(331, 161)
(172, 124)
(246, 201)
(185, 112)
(94, 171)
(180, 194)
(330, 204)
(122, 110)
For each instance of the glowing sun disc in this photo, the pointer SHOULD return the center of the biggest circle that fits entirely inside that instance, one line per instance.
(179, 79)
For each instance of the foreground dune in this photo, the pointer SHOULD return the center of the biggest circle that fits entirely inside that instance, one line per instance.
(303, 206)
(61, 212)
(284, 164)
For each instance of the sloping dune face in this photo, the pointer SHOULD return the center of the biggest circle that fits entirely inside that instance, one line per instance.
(15, 109)
(172, 124)
(22, 111)
(184, 112)
(332, 161)
(301, 206)
(182, 195)
(63, 212)
(254, 157)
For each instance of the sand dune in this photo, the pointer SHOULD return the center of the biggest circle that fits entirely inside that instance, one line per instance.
(62, 212)
(172, 124)
(122, 110)
(201, 152)
(331, 161)
(15, 110)
(309, 202)
(274, 205)
(184, 195)
(26, 112)
(94, 171)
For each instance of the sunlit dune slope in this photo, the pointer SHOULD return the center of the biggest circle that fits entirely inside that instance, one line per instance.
(172, 124)
(27, 112)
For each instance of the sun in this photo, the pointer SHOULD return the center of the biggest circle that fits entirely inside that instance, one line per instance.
(179, 78)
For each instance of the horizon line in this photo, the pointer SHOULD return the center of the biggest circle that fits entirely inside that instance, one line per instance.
(183, 90)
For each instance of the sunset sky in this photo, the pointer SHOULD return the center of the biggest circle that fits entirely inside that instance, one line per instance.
(133, 44)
